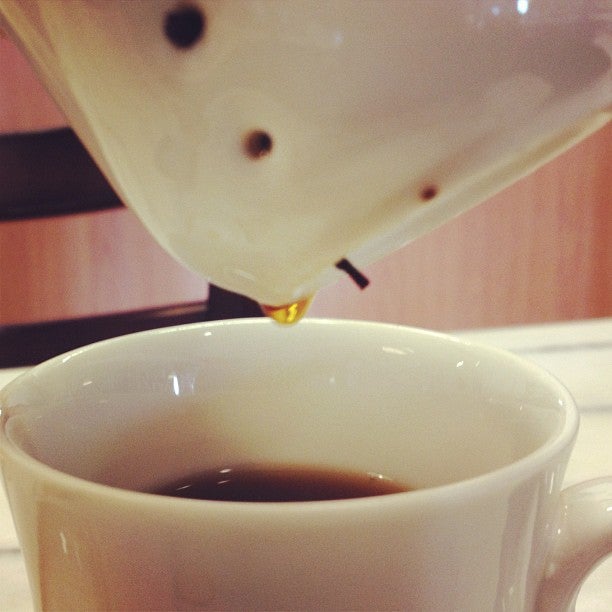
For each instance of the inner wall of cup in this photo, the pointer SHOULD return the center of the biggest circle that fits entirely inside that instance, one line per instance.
(421, 409)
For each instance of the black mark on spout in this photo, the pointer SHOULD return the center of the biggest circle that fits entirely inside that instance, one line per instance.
(360, 279)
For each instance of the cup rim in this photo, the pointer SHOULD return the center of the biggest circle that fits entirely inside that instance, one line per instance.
(528, 465)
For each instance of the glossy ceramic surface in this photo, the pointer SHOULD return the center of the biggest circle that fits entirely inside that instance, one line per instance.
(289, 135)
(484, 435)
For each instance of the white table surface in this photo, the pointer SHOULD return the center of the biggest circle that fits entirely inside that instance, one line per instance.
(578, 353)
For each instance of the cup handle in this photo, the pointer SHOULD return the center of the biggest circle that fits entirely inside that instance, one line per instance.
(583, 537)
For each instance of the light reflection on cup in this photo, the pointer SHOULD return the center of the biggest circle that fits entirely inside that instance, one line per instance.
(482, 435)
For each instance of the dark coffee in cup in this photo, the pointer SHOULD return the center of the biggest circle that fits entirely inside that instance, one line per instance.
(279, 483)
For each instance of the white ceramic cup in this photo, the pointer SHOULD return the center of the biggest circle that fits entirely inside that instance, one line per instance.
(483, 436)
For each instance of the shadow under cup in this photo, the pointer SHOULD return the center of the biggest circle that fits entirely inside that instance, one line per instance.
(135, 412)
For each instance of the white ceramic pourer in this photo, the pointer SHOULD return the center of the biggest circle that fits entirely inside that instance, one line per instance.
(263, 142)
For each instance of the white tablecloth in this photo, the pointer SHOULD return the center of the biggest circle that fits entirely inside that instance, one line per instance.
(578, 353)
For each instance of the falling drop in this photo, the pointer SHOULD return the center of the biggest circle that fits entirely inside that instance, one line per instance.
(289, 313)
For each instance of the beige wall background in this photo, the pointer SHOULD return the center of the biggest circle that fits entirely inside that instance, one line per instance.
(538, 251)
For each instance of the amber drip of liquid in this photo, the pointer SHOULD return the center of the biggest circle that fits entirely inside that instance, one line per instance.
(288, 313)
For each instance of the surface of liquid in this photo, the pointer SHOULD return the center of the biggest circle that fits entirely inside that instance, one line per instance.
(279, 483)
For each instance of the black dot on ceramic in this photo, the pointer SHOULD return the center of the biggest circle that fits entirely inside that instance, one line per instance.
(184, 26)
(257, 143)
(429, 193)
